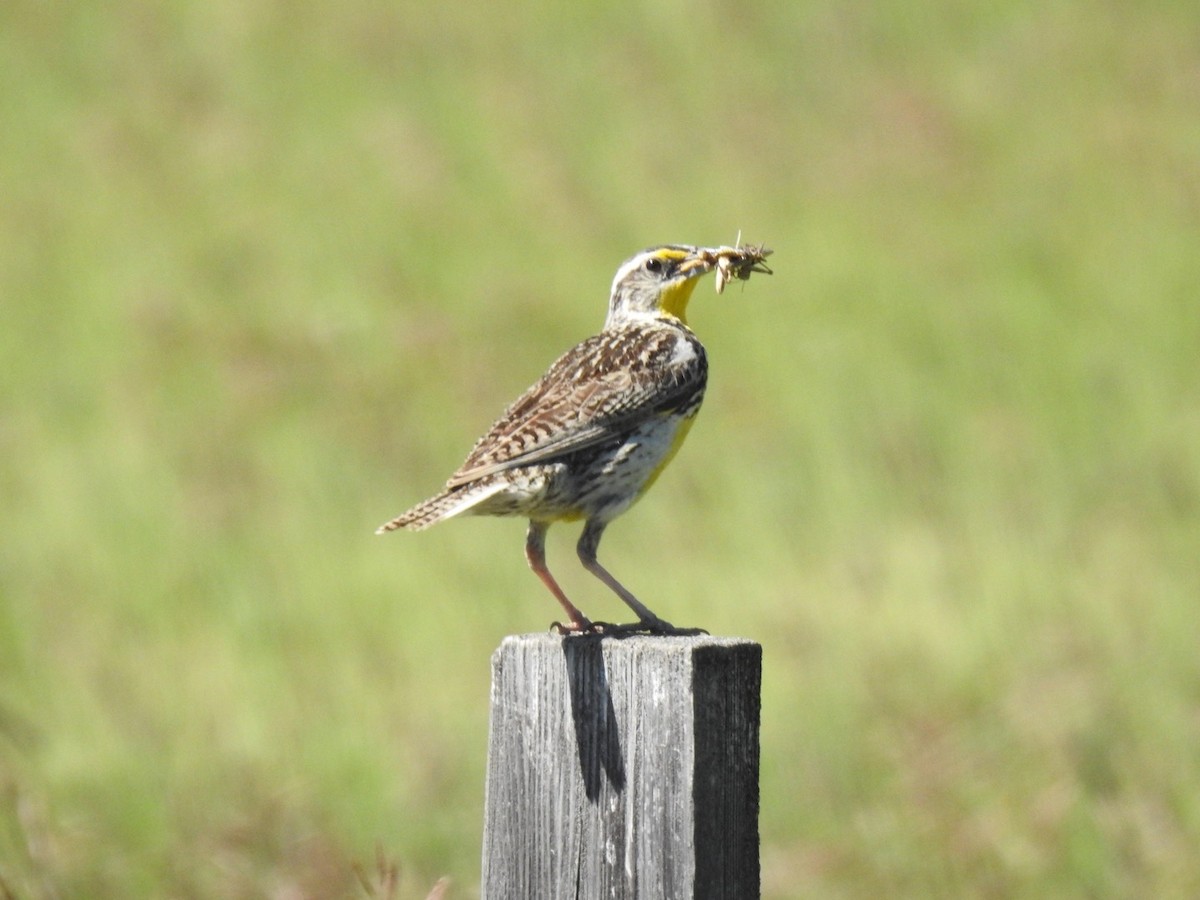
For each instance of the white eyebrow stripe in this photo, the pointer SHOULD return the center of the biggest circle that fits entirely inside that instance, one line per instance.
(628, 267)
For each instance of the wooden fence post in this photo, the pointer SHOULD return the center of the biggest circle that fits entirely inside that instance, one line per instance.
(623, 768)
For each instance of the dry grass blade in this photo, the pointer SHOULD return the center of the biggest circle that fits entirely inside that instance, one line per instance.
(385, 881)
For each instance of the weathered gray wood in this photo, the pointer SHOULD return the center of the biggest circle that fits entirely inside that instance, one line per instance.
(623, 768)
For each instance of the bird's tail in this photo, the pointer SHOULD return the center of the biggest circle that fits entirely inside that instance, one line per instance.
(445, 505)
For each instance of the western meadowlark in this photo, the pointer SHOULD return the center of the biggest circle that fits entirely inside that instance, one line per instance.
(591, 436)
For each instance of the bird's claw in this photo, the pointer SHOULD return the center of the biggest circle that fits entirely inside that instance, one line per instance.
(581, 627)
(662, 628)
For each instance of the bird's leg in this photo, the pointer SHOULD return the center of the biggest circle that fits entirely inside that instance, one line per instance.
(589, 542)
(535, 553)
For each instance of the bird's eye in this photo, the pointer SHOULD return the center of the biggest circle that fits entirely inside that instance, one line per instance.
(654, 264)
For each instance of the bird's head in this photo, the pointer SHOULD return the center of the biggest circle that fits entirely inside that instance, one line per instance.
(658, 282)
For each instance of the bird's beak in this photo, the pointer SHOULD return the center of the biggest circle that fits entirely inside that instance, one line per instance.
(729, 262)
(699, 261)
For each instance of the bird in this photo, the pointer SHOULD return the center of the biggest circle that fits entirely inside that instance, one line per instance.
(591, 436)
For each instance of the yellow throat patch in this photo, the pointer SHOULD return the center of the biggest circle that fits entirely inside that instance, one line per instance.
(675, 299)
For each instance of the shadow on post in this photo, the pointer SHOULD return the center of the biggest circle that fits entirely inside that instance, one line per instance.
(596, 734)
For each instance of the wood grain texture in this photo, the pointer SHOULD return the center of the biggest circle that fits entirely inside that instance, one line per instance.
(623, 768)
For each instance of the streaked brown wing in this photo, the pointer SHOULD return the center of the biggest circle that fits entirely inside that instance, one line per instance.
(592, 394)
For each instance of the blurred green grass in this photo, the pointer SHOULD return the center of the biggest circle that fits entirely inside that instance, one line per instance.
(266, 270)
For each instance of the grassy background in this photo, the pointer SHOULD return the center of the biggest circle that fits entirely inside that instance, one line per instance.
(266, 270)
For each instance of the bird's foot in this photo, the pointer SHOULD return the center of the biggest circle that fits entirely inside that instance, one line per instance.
(582, 626)
(655, 627)
(652, 626)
